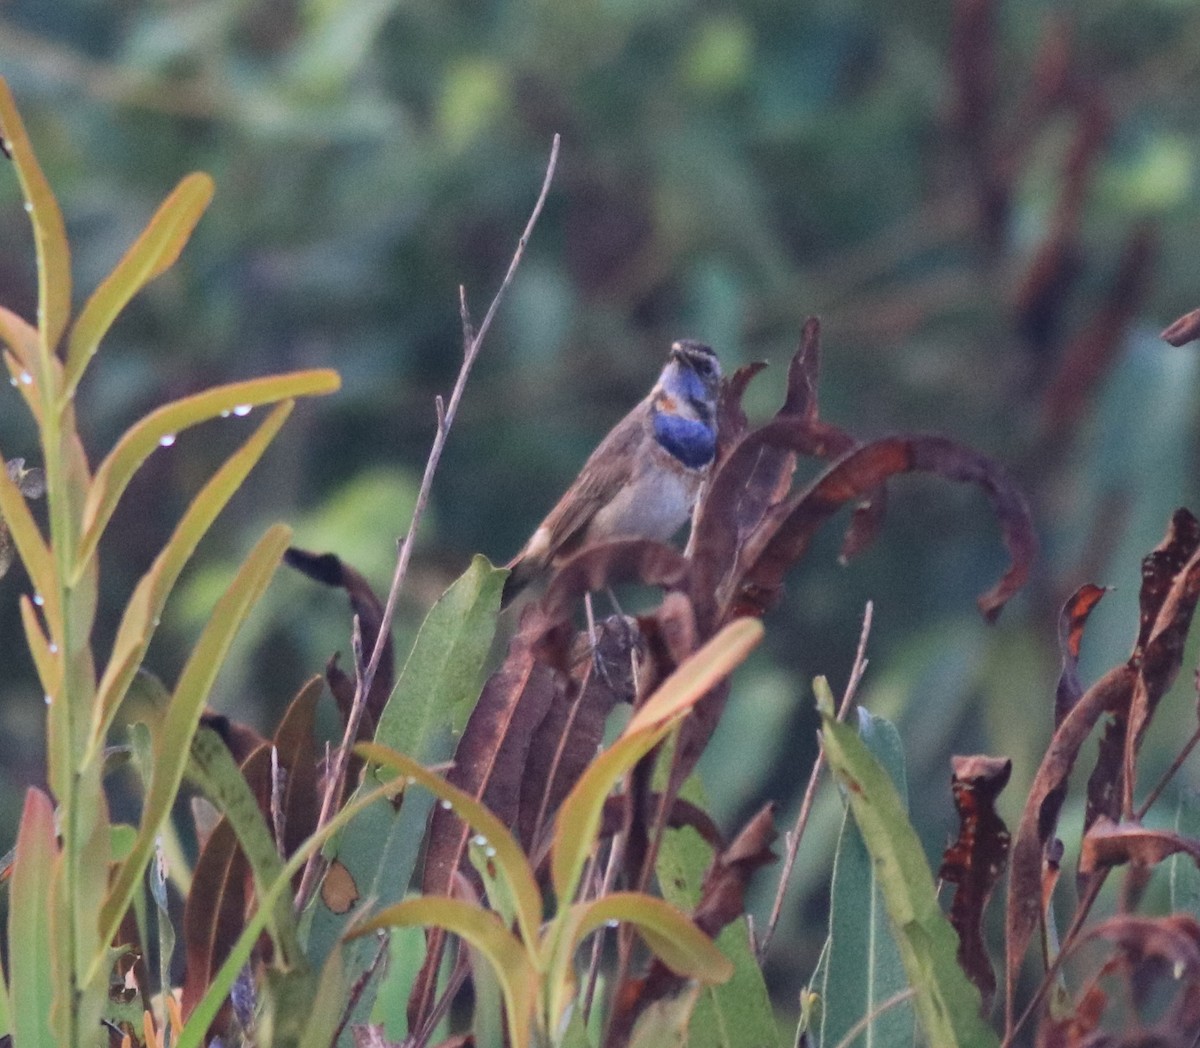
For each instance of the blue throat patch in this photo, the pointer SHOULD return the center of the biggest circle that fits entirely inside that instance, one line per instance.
(694, 443)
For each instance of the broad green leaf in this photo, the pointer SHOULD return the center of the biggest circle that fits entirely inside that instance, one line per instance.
(214, 769)
(32, 982)
(173, 744)
(32, 548)
(486, 933)
(732, 1013)
(430, 702)
(509, 858)
(141, 439)
(440, 679)
(578, 818)
(142, 612)
(947, 1003)
(863, 967)
(49, 232)
(154, 251)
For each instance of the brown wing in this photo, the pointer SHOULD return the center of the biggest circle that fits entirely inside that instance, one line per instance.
(606, 471)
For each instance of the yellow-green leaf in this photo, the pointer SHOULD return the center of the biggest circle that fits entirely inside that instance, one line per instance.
(173, 743)
(485, 931)
(150, 595)
(140, 440)
(579, 817)
(49, 232)
(149, 257)
(510, 859)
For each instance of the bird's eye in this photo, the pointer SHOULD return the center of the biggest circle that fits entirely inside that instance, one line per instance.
(703, 366)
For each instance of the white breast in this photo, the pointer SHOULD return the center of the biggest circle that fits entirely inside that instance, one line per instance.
(654, 505)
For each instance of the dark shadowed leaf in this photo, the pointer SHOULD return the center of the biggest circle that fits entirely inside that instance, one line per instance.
(330, 570)
(976, 859)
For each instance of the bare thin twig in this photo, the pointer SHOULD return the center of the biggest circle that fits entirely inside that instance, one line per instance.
(797, 831)
(1168, 775)
(472, 343)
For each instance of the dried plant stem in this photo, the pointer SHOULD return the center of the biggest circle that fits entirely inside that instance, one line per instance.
(797, 832)
(446, 412)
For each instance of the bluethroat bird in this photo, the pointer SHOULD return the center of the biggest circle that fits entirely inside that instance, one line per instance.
(643, 479)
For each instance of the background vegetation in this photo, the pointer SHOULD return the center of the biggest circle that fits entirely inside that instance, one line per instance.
(993, 207)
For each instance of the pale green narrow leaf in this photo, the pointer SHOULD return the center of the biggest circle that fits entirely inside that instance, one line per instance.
(578, 818)
(49, 231)
(509, 858)
(142, 612)
(322, 1021)
(733, 1013)
(154, 251)
(214, 769)
(430, 702)
(486, 933)
(173, 743)
(141, 439)
(947, 1003)
(863, 967)
(665, 1023)
(32, 982)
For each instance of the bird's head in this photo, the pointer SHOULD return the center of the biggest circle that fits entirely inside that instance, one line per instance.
(690, 382)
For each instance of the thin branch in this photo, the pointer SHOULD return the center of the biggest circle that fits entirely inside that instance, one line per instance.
(797, 832)
(360, 984)
(445, 419)
(1176, 764)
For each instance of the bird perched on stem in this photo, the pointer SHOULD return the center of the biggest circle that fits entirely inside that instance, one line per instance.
(643, 479)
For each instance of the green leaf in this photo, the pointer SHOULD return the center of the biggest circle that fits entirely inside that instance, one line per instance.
(154, 252)
(430, 702)
(49, 232)
(666, 1022)
(213, 768)
(141, 439)
(863, 968)
(142, 612)
(738, 1011)
(579, 816)
(32, 981)
(947, 1003)
(326, 1013)
(509, 858)
(183, 715)
(485, 931)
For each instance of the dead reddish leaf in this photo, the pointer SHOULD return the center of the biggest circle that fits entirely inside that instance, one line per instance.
(1071, 621)
(1108, 844)
(1184, 330)
(976, 859)
(329, 569)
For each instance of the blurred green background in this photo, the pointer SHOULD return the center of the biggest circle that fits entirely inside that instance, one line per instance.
(993, 207)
